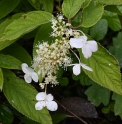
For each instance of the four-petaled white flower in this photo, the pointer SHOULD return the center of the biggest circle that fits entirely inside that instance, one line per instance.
(87, 46)
(29, 73)
(45, 100)
(77, 68)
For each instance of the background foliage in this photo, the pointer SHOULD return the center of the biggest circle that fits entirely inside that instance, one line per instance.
(24, 23)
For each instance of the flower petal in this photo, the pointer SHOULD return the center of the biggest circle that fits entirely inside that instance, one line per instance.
(24, 67)
(86, 51)
(49, 97)
(84, 38)
(85, 67)
(30, 70)
(76, 69)
(39, 105)
(40, 96)
(77, 42)
(93, 45)
(27, 78)
(34, 76)
(52, 106)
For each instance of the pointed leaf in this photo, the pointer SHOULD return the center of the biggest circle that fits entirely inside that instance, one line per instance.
(85, 80)
(25, 24)
(97, 95)
(111, 2)
(7, 61)
(22, 97)
(1, 80)
(8, 21)
(19, 52)
(56, 118)
(99, 30)
(118, 104)
(3, 26)
(26, 120)
(113, 8)
(117, 47)
(71, 7)
(106, 71)
(48, 7)
(63, 81)
(113, 20)
(85, 3)
(6, 115)
(91, 14)
(6, 6)
(35, 4)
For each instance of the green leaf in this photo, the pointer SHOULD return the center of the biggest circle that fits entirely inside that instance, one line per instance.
(99, 30)
(117, 47)
(26, 120)
(60, 72)
(9, 62)
(71, 7)
(118, 104)
(110, 107)
(77, 21)
(113, 8)
(111, 2)
(31, 34)
(63, 81)
(18, 52)
(85, 3)
(106, 71)
(8, 21)
(119, 8)
(74, 77)
(113, 20)
(22, 97)
(6, 115)
(35, 4)
(48, 5)
(97, 95)
(1, 80)
(3, 26)
(25, 24)
(91, 14)
(85, 80)
(56, 118)
(6, 6)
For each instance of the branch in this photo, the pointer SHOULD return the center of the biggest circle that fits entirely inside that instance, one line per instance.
(71, 112)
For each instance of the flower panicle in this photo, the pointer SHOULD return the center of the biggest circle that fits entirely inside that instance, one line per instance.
(52, 56)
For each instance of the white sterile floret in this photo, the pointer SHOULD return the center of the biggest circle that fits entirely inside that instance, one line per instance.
(45, 100)
(77, 68)
(87, 46)
(29, 73)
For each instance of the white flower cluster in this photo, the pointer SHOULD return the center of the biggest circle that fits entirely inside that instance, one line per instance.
(29, 73)
(49, 58)
(62, 29)
(45, 100)
(52, 56)
(87, 46)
